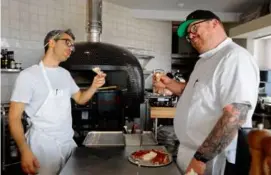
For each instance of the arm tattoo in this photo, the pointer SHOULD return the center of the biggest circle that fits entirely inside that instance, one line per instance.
(226, 128)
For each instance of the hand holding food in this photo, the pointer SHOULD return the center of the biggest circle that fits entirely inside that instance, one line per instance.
(97, 70)
(99, 79)
(191, 172)
(195, 166)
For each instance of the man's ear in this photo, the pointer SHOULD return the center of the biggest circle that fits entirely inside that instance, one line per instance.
(215, 23)
(52, 43)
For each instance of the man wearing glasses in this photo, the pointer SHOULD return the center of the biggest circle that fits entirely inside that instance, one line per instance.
(43, 92)
(219, 98)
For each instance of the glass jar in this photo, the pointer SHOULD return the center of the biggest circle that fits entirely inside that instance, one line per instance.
(158, 73)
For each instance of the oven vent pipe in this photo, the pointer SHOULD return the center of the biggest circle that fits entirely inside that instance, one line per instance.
(94, 20)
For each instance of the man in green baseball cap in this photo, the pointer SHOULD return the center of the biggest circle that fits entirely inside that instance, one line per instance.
(198, 15)
(217, 101)
(200, 27)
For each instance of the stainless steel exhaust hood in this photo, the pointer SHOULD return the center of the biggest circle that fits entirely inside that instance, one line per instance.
(94, 20)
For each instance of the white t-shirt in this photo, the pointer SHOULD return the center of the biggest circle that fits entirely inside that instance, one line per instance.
(224, 75)
(30, 87)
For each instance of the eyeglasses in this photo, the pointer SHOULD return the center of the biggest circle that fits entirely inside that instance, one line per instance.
(194, 29)
(68, 43)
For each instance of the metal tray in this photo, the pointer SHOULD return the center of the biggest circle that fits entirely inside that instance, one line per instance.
(147, 163)
(104, 138)
(134, 139)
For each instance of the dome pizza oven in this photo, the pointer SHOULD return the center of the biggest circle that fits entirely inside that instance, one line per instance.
(109, 108)
(111, 59)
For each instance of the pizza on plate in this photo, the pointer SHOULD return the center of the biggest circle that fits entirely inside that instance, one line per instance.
(153, 156)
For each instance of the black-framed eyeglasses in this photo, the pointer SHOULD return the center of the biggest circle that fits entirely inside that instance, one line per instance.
(68, 43)
(194, 29)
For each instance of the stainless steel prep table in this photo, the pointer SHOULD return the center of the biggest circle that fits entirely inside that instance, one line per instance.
(111, 161)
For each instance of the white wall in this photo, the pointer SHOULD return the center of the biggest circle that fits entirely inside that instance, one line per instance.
(120, 28)
(268, 50)
(262, 52)
(24, 24)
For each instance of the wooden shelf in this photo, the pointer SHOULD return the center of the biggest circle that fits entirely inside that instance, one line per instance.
(162, 112)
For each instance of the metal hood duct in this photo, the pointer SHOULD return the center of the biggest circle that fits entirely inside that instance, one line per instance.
(109, 57)
(94, 20)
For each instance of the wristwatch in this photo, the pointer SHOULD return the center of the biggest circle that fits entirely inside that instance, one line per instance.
(199, 156)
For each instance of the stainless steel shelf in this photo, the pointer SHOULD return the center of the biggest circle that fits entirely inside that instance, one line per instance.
(11, 70)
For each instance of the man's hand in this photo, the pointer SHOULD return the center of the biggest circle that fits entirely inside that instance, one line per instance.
(30, 163)
(82, 97)
(198, 167)
(98, 81)
(162, 82)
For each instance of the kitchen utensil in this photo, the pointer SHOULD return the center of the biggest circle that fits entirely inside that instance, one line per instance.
(125, 131)
(158, 73)
(108, 87)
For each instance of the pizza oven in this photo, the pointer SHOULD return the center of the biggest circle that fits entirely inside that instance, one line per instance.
(123, 92)
(121, 66)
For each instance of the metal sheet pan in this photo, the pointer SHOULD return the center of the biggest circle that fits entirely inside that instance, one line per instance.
(104, 138)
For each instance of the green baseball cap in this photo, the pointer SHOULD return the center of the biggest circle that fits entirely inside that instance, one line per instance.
(182, 29)
(192, 17)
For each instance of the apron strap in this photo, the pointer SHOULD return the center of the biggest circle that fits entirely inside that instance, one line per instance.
(243, 157)
(47, 81)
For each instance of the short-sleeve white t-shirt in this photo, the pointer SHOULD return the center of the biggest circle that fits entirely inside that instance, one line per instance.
(30, 87)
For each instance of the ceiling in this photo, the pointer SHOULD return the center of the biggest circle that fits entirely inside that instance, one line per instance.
(237, 6)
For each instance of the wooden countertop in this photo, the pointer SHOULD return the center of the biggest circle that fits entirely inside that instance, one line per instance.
(162, 112)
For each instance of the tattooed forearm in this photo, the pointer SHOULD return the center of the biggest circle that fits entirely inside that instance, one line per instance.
(226, 128)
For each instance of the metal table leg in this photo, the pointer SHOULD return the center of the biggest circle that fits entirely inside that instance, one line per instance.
(155, 127)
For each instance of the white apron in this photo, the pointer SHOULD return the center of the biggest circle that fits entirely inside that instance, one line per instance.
(190, 127)
(50, 133)
(214, 167)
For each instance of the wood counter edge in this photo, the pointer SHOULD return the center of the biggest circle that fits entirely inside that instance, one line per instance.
(162, 112)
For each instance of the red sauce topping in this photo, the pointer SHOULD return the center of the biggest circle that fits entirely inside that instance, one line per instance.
(160, 158)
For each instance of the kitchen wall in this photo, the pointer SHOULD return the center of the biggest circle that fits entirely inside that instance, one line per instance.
(26, 22)
(119, 27)
(261, 50)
